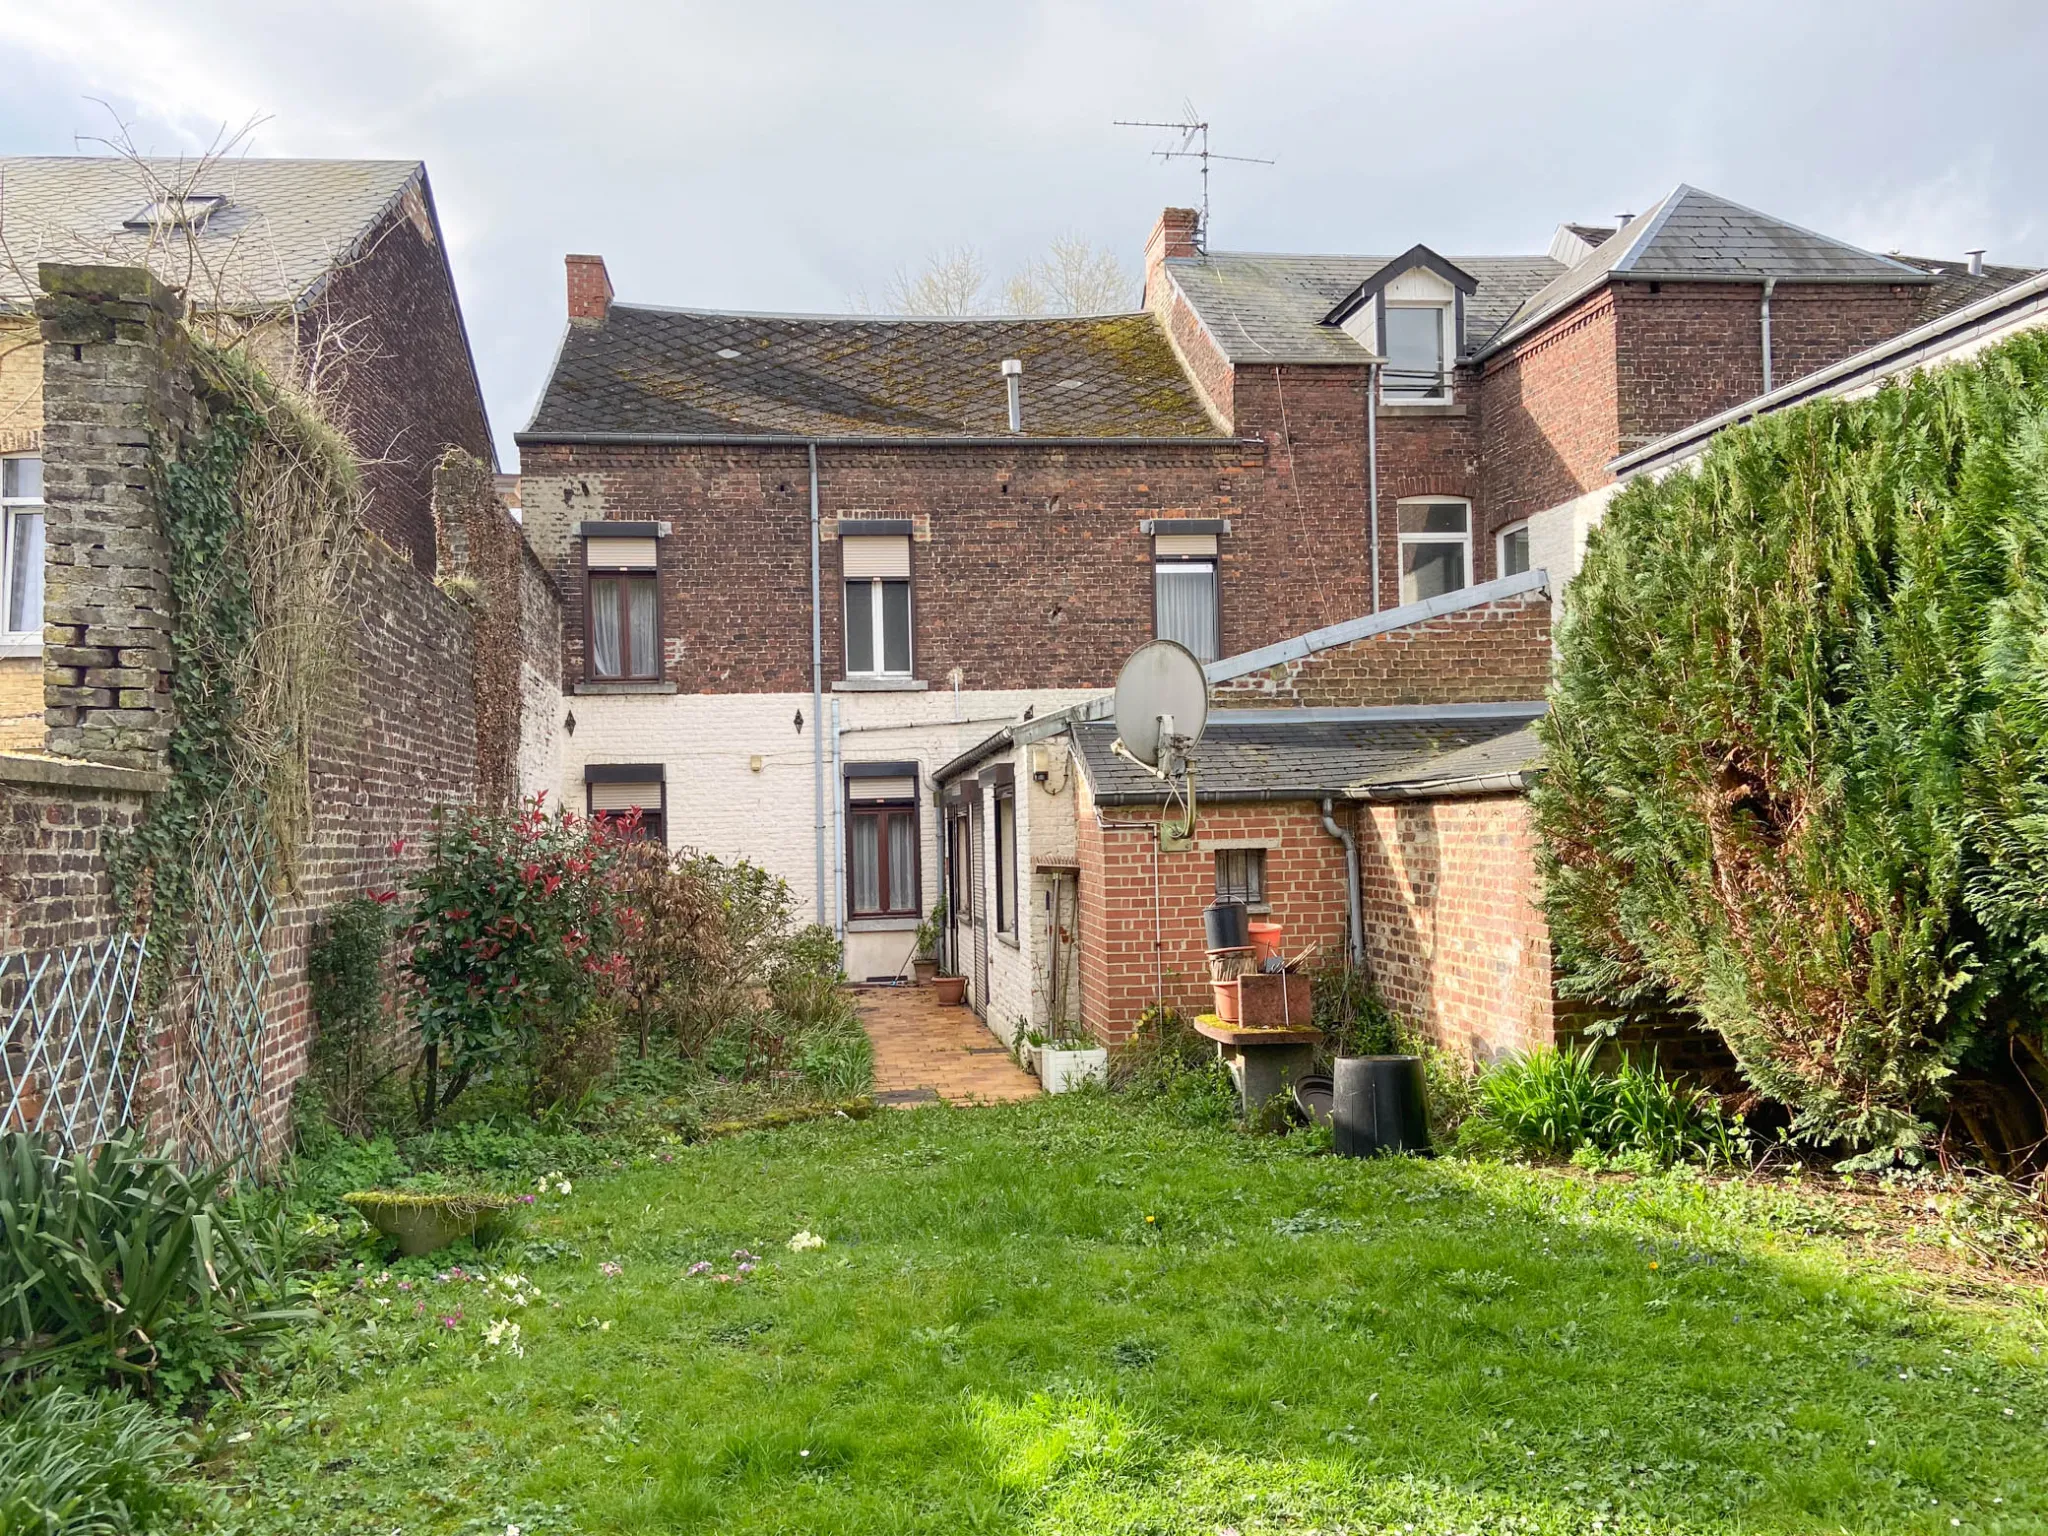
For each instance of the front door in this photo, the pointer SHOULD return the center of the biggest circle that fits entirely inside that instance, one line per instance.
(977, 877)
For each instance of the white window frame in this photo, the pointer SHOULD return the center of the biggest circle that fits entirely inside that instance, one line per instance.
(1441, 395)
(1404, 540)
(879, 625)
(1212, 567)
(1500, 547)
(25, 642)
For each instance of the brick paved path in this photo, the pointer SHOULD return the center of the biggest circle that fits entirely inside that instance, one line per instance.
(925, 1051)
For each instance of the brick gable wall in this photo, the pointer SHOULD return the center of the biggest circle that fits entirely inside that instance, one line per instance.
(1549, 414)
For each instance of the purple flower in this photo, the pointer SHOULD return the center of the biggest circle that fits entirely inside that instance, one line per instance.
(746, 1269)
(701, 1267)
(453, 1320)
(741, 1256)
(528, 1199)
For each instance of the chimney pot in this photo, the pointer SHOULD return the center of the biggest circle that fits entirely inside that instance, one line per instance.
(1976, 262)
(590, 287)
(1013, 376)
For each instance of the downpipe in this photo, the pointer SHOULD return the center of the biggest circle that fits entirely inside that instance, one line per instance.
(1350, 842)
(1372, 472)
(817, 702)
(1769, 284)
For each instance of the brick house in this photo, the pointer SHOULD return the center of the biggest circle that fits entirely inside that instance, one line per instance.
(333, 273)
(993, 512)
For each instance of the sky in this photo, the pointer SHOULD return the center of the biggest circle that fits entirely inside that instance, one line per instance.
(792, 156)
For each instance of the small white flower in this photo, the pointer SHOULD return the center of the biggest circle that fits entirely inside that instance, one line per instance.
(511, 1530)
(805, 1242)
(563, 1187)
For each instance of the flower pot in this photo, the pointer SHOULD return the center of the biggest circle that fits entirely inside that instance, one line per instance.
(1266, 1000)
(1061, 1071)
(924, 970)
(421, 1223)
(952, 989)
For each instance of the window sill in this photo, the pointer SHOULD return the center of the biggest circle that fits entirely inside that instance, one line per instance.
(1422, 408)
(1256, 908)
(587, 688)
(881, 685)
(1009, 939)
(881, 924)
(23, 649)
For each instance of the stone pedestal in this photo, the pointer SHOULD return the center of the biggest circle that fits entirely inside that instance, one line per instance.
(1262, 1062)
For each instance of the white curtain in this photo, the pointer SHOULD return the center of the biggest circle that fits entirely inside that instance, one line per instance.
(1186, 599)
(604, 628)
(903, 864)
(867, 863)
(25, 580)
(641, 626)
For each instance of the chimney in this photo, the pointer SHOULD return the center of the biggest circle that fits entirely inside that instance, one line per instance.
(1976, 262)
(1013, 375)
(1177, 234)
(590, 288)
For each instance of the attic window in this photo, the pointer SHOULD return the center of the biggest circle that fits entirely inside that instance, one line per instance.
(1068, 384)
(727, 353)
(1416, 353)
(187, 212)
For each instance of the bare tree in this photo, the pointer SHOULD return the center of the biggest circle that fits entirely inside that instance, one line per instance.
(1077, 277)
(1074, 277)
(954, 282)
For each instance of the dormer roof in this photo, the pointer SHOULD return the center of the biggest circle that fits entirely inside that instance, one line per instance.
(1415, 256)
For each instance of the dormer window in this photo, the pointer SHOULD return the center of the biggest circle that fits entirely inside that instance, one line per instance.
(1417, 353)
(189, 211)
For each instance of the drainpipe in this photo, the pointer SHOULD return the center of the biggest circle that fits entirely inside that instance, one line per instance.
(1372, 471)
(1769, 284)
(1357, 934)
(817, 700)
(838, 834)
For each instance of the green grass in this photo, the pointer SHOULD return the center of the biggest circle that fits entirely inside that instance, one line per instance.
(1071, 1316)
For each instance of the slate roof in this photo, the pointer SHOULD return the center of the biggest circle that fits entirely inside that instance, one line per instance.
(1284, 758)
(714, 374)
(1261, 307)
(284, 226)
(1954, 285)
(1695, 236)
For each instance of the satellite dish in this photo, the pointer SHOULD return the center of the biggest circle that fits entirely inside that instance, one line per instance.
(1162, 680)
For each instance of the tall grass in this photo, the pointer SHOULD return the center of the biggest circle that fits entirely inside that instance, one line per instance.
(78, 1465)
(1558, 1101)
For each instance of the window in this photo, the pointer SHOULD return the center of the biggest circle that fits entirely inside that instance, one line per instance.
(960, 864)
(629, 792)
(877, 573)
(1006, 859)
(1415, 353)
(1184, 596)
(21, 549)
(1436, 547)
(624, 586)
(1514, 549)
(1241, 875)
(881, 847)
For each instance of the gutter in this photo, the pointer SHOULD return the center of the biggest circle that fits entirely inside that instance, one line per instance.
(1514, 783)
(540, 439)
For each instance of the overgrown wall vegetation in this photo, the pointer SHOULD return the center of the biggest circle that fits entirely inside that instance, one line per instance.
(1798, 757)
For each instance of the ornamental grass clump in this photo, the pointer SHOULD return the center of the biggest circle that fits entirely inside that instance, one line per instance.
(1797, 757)
(73, 1464)
(1560, 1102)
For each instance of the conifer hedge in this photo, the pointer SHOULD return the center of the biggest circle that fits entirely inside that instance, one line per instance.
(1797, 771)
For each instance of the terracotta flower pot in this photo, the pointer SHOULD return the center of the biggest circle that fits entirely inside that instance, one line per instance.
(925, 970)
(952, 989)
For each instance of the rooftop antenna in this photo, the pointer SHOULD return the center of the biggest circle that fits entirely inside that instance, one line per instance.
(1194, 130)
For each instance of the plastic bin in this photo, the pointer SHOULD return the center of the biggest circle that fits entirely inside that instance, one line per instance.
(1377, 1105)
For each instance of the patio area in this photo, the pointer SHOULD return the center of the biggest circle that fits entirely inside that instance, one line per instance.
(927, 1051)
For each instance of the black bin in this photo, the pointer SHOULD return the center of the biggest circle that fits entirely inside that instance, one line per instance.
(1377, 1105)
(1228, 925)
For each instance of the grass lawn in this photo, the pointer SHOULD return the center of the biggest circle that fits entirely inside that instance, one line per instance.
(1071, 1316)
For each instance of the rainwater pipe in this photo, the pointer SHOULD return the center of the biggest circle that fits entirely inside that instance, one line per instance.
(838, 837)
(1357, 927)
(1769, 284)
(817, 700)
(1372, 471)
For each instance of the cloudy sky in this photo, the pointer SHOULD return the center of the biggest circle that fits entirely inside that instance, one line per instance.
(786, 156)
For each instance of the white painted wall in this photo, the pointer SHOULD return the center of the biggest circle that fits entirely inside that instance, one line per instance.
(1557, 538)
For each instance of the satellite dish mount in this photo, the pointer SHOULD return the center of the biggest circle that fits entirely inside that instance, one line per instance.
(1162, 708)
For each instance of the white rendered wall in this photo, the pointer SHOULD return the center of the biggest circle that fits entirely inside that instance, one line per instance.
(1021, 989)
(1557, 538)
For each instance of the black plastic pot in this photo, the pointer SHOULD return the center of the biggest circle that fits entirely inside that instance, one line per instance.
(1227, 925)
(1377, 1105)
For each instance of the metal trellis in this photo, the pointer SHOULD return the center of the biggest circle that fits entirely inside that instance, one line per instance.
(67, 1071)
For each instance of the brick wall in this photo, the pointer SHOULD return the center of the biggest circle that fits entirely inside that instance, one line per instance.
(55, 823)
(405, 387)
(1550, 414)
(21, 703)
(1119, 965)
(1453, 937)
(1496, 652)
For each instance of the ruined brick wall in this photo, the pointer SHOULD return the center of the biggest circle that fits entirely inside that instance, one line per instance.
(1118, 968)
(482, 559)
(1495, 652)
(538, 756)
(56, 820)
(1454, 939)
(405, 388)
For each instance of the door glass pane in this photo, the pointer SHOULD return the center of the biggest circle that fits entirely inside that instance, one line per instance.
(1430, 570)
(896, 626)
(1185, 595)
(867, 863)
(903, 862)
(604, 626)
(1415, 357)
(25, 574)
(641, 626)
(860, 627)
(1514, 552)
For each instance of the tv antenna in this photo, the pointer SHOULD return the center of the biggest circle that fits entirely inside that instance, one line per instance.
(1194, 145)
(1162, 707)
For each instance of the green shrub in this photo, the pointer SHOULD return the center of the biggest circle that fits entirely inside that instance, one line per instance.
(118, 1266)
(1165, 1064)
(1797, 754)
(346, 974)
(1351, 1015)
(1559, 1101)
(79, 1465)
(836, 1058)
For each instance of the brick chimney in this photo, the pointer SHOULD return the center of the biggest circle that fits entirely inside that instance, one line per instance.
(590, 288)
(1173, 236)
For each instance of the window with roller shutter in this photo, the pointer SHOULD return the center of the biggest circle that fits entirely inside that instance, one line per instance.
(616, 791)
(622, 585)
(1184, 592)
(882, 841)
(876, 570)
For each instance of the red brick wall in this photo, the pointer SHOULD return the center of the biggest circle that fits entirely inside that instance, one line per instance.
(1453, 937)
(406, 389)
(1477, 655)
(1199, 354)
(1119, 964)
(1550, 415)
(54, 890)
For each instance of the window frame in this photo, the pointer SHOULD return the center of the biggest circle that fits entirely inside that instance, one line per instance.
(1446, 352)
(619, 575)
(1005, 858)
(878, 623)
(654, 821)
(1262, 901)
(1402, 540)
(11, 509)
(1500, 549)
(1215, 564)
(883, 810)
